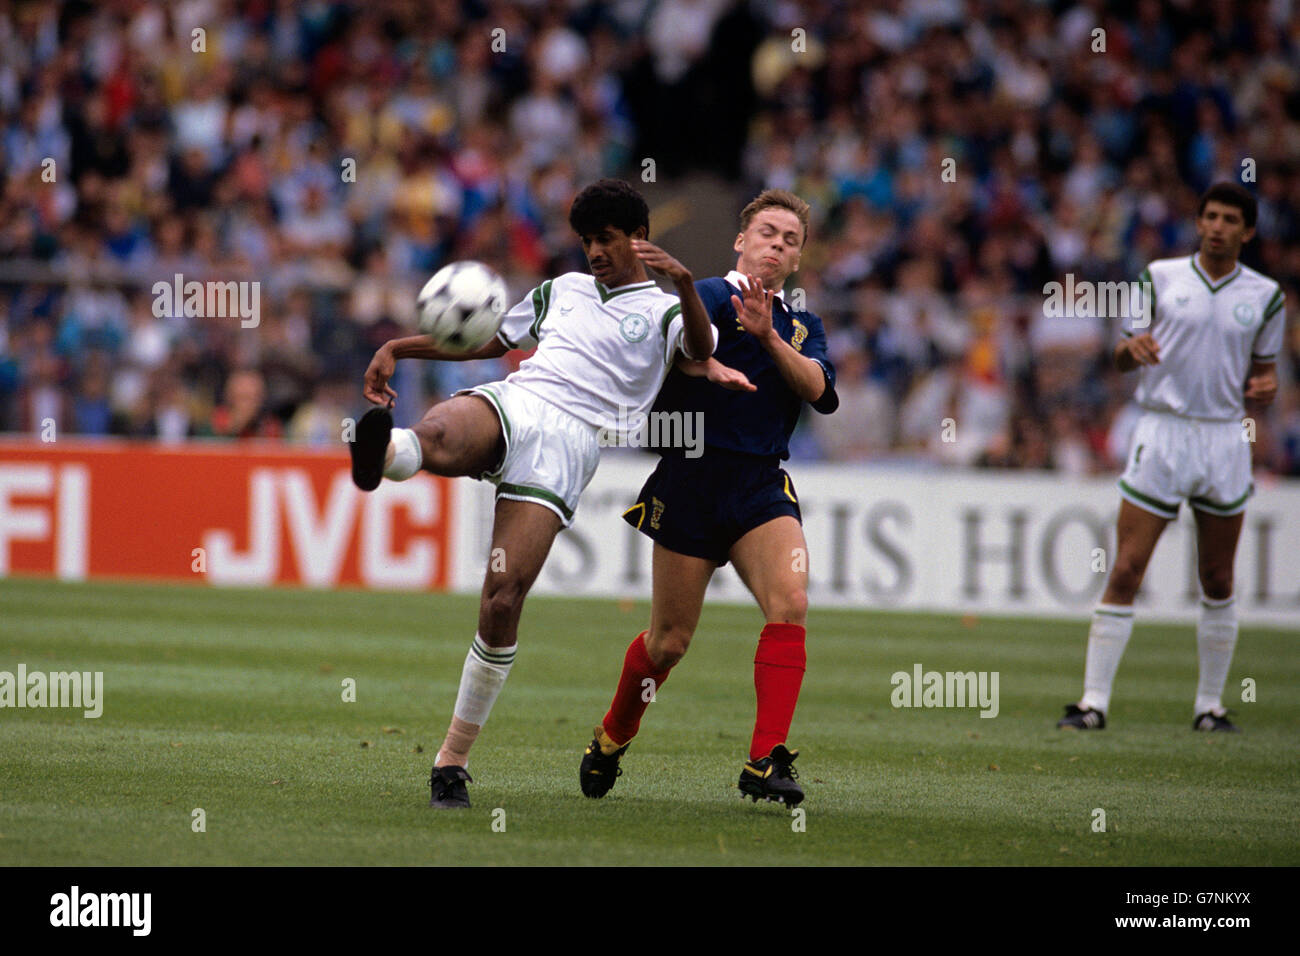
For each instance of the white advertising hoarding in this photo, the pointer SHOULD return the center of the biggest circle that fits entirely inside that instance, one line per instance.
(949, 541)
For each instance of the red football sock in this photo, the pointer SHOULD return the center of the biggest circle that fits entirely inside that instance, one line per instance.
(631, 699)
(779, 664)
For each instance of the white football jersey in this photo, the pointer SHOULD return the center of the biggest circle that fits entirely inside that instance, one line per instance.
(602, 354)
(1209, 334)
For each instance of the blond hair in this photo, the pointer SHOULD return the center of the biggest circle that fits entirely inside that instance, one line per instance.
(776, 199)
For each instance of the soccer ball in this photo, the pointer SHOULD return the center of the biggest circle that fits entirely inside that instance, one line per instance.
(462, 306)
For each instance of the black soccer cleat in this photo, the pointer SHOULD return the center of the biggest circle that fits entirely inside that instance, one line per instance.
(1076, 718)
(369, 447)
(1212, 721)
(772, 778)
(448, 788)
(599, 771)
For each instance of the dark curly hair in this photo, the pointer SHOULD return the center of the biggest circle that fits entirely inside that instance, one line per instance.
(609, 202)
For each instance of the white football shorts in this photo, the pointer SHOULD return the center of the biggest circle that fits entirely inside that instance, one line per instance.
(1172, 458)
(550, 455)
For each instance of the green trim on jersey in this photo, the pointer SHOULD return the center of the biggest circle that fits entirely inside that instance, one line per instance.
(606, 295)
(1271, 310)
(541, 304)
(541, 494)
(1222, 282)
(1146, 277)
(671, 313)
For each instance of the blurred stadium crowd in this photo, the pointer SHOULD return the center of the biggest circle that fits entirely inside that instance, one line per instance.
(230, 163)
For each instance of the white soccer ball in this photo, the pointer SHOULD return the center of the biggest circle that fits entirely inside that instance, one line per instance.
(462, 306)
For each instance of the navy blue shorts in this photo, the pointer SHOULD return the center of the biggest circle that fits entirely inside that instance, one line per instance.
(702, 506)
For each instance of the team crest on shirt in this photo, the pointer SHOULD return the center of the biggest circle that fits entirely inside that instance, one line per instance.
(634, 327)
(800, 333)
(1244, 313)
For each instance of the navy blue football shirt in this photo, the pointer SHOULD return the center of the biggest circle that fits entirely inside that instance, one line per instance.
(755, 423)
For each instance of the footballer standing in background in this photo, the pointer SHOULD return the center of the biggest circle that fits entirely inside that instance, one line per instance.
(604, 343)
(734, 502)
(1215, 331)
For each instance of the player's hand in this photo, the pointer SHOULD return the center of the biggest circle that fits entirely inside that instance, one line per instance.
(754, 309)
(378, 373)
(728, 377)
(660, 261)
(1144, 349)
(1262, 388)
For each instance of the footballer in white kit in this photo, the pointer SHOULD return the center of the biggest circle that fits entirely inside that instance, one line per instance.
(604, 341)
(602, 355)
(1205, 343)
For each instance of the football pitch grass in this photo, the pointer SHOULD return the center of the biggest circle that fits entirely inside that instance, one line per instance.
(231, 701)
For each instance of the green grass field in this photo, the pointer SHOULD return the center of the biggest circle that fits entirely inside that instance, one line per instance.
(231, 701)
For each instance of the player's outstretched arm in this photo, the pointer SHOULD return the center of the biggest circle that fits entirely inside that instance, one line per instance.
(380, 370)
(698, 329)
(717, 373)
(1138, 350)
(754, 313)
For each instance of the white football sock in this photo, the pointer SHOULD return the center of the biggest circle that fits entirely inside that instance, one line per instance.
(486, 669)
(1112, 626)
(1216, 638)
(406, 454)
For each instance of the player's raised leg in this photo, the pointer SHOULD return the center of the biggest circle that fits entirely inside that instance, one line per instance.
(679, 584)
(1137, 532)
(522, 535)
(461, 436)
(1216, 622)
(772, 560)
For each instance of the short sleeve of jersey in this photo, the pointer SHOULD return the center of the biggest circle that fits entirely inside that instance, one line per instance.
(1141, 312)
(520, 327)
(675, 334)
(1268, 340)
(814, 347)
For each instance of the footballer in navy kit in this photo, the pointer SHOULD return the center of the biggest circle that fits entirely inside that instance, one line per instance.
(735, 502)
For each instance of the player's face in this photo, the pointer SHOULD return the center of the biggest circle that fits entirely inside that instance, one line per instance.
(1223, 231)
(770, 247)
(610, 255)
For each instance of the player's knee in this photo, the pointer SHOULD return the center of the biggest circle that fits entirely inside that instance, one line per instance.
(1216, 583)
(433, 443)
(502, 599)
(667, 646)
(1126, 577)
(788, 606)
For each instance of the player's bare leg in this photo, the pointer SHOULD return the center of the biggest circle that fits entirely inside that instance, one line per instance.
(522, 534)
(679, 582)
(772, 560)
(461, 436)
(1216, 622)
(679, 585)
(1137, 532)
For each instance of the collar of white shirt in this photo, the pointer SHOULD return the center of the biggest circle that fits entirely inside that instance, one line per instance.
(740, 282)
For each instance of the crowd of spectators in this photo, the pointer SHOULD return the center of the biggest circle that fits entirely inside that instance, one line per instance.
(959, 155)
